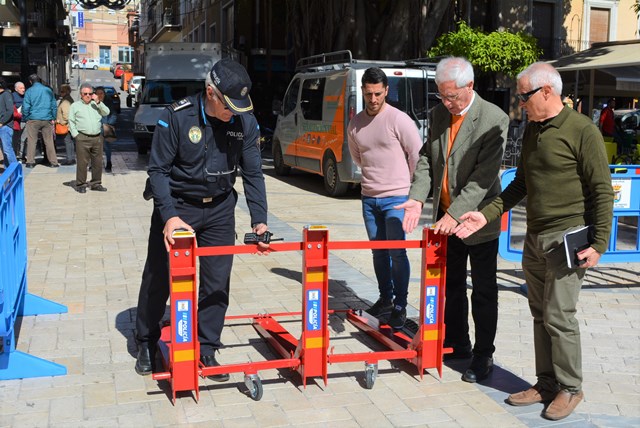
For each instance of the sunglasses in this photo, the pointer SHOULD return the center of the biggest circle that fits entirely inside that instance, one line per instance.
(525, 97)
(87, 93)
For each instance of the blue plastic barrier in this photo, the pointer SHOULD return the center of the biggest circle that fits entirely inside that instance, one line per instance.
(14, 299)
(626, 184)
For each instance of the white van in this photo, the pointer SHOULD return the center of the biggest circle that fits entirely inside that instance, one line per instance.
(172, 71)
(325, 93)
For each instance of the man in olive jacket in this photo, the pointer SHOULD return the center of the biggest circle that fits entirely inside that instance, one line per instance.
(461, 163)
(564, 173)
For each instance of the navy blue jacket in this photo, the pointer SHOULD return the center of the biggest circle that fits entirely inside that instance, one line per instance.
(195, 156)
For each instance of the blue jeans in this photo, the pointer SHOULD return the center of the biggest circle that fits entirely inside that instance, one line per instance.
(392, 269)
(6, 135)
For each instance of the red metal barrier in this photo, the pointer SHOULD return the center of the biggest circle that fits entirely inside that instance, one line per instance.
(310, 355)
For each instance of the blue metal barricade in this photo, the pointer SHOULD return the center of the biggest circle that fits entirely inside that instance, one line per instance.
(625, 180)
(14, 299)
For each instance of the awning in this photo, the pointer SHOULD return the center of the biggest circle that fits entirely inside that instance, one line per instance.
(604, 70)
(8, 12)
(601, 56)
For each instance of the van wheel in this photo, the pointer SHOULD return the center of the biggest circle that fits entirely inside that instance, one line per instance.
(332, 183)
(278, 160)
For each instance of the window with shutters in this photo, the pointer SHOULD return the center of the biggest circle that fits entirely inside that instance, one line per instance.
(600, 21)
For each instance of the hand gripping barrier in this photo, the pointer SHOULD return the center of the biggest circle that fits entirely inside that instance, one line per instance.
(310, 354)
(626, 187)
(14, 299)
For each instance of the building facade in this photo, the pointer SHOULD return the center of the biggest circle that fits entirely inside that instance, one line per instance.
(34, 38)
(102, 34)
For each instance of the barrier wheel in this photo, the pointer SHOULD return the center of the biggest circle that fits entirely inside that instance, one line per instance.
(254, 385)
(370, 375)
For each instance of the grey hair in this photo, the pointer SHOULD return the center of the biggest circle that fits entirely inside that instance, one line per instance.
(87, 86)
(454, 68)
(17, 85)
(208, 81)
(542, 74)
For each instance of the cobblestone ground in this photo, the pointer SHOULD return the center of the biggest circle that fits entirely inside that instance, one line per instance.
(87, 252)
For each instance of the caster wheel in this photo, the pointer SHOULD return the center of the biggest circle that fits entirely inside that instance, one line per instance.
(370, 375)
(254, 385)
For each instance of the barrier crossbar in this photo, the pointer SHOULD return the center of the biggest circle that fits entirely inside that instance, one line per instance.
(14, 299)
(626, 185)
(310, 353)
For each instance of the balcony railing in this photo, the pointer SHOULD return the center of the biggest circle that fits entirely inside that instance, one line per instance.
(554, 48)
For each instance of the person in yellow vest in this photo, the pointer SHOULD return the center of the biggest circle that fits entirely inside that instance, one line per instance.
(461, 162)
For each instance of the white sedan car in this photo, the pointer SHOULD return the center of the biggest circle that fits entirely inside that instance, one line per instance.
(92, 64)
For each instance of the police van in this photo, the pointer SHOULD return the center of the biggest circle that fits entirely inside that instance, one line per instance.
(323, 96)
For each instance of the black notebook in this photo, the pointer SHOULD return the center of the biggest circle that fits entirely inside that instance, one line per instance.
(576, 241)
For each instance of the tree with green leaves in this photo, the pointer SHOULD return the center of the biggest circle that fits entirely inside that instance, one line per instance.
(490, 53)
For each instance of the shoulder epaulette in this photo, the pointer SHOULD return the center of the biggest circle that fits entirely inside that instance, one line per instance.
(179, 105)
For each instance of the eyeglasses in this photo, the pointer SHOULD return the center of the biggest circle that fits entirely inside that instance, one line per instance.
(87, 93)
(525, 97)
(448, 97)
(219, 96)
(219, 173)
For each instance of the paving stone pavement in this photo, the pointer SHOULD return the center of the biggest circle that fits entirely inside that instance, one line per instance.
(87, 251)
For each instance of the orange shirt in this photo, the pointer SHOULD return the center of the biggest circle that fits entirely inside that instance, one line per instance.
(454, 127)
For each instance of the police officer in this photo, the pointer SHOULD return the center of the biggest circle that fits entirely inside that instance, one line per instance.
(199, 145)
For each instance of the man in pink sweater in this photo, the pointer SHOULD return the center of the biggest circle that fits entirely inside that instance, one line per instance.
(385, 143)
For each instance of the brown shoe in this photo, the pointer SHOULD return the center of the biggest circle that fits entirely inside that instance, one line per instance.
(533, 395)
(563, 405)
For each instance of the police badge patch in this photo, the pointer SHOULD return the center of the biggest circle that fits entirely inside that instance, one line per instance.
(195, 134)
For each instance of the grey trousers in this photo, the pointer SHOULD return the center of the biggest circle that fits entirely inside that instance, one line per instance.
(553, 290)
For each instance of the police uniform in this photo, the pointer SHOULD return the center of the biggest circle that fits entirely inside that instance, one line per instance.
(192, 169)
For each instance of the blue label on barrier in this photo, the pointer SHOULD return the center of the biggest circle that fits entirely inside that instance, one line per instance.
(430, 306)
(183, 321)
(313, 310)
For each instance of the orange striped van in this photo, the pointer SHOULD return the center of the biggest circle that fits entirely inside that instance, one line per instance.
(325, 93)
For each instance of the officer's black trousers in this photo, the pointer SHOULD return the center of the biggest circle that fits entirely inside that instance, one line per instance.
(214, 224)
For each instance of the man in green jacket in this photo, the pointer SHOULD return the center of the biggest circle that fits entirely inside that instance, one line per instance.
(564, 174)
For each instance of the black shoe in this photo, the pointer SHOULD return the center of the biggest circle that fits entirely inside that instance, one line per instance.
(210, 361)
(145, 363)
(69, 162)
(479, 369)
(81, 189)
(381, 307)
(29, 165)
(108, 167)
(459, 353)
(398, 318)
(71, 183)
(99, 188)
(54, 165)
